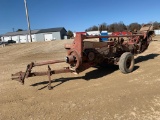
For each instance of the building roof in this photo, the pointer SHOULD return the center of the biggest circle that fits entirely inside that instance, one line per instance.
(34, 31)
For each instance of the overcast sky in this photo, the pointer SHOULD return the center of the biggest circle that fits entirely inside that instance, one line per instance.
(75, 15)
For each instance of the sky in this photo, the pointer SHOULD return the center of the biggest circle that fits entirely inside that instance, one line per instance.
(75, 15)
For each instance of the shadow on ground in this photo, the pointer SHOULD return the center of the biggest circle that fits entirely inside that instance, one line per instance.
(145, 58)
(95, 74)
(92, 75)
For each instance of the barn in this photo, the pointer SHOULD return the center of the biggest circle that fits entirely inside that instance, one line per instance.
(37, 35)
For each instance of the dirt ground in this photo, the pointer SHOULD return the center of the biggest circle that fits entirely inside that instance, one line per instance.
(95, 94)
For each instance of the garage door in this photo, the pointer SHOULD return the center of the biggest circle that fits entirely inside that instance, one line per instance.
(23, 39)
(6, 38)
(15, 38)
(48, 37)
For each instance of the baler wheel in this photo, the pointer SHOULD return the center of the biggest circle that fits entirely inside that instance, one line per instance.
(77, 61)
(126, 62)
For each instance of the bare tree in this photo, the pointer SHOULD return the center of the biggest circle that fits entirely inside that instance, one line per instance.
(156, 25)
(117, 27)
(121, 27)
(112, 27)
(93, 28)
(134, 26)
(103, 26)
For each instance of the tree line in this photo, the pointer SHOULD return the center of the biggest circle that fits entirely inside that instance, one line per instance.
(119, 27)
(116, 27)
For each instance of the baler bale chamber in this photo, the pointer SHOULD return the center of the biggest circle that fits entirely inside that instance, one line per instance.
(84, 53)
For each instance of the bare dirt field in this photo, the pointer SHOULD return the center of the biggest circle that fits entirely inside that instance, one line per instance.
(95, 94)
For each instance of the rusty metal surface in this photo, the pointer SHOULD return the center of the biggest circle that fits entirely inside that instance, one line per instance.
(20, 76)
(48, 62)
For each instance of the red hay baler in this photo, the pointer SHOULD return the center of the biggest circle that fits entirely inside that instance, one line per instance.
(83, 54)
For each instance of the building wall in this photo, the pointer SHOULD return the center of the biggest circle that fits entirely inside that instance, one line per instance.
(33, 38)
(36, 37)
(93, 33)
(63, 33)
(39, 37)
(157, 32)
(66, 37)
(56, 36)
(2, 38)
(48, 36)
(6, 38)
(52, 36)
(15, 38)
(23, 38)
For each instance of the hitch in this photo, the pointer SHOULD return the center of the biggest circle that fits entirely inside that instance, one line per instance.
(20, 76)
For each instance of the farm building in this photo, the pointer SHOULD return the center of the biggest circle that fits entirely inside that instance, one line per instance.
(92, 33)
(157, 32)
(37, 35)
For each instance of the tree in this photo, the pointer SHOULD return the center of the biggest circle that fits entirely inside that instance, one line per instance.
(156, 25)
(103, 26)
(93, 28)
(19, 30)
(112, 27)
(134, 26)
(69, 33)
(117, 27)
(121, 27)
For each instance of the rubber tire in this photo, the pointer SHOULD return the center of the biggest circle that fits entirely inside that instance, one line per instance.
(123, 62)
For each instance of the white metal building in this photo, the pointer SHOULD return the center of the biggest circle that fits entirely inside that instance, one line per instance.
(37, 35)
(157, 32)
(93, 33)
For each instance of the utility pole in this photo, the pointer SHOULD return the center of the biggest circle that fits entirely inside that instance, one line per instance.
(28, 22)
(98, 29)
